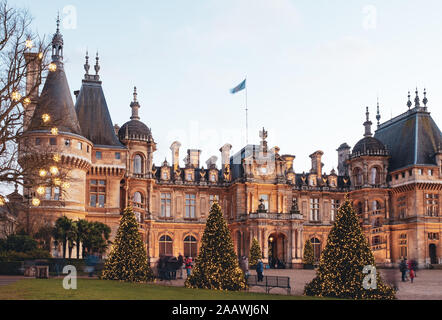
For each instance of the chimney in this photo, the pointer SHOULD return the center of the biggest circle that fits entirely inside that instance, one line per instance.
(33, 81)
(316, 163)
(211, 162)
(288, 162)
(343, 156)
(116, 129)
(193, 156)
(175, 147)
(225, 155)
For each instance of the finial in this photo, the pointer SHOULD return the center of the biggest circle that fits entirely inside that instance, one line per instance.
(417, 100)
(425, 101)
(378, 114)
(86, 65)
(135, 94)
(58, 21)
(367, 125)
(97, 65)
(409, 104)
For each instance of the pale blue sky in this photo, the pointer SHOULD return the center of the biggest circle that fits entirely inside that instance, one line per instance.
(311, 66)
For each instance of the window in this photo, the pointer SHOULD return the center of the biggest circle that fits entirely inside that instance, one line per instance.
(138, 200)
(87, 149)
(213, 177)
(79, 146)
(374, 174)
(403, 245)
(48, 193)
(314, 209)
(376, 241)
(189, 177)
(334, 209)
(37, 141)
(190, 246)
(166, 245)
(432, 204)
(430, 173)
(57, 193)
(117, 155)
(265, 197)
(316, 248)
(402, 207)
(165, 204)
(419, 171)
(98, 155)
(190, 206)
(67, 142)
(53, 141)
(165, 175)
(97, 193)
(376, 207)
(212, 199)
(433, 236)
(137, 162)
(357, 176)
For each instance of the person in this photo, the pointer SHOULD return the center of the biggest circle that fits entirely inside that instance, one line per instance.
(180, 265)
(172, 266)
(260, 270)
(414, 267)
(188, 263)
(403, 269)
(411, 275)
(244, 265)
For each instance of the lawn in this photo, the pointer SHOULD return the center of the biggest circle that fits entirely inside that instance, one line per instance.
(92, 289)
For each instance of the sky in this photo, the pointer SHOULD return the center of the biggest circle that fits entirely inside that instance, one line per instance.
(312, 67)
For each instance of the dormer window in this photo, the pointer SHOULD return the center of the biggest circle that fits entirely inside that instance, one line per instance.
(98, 155)
(80, 146)
(213, 177)
(189, 177)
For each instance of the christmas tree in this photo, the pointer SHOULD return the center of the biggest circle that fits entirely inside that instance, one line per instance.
(127, 260)
(255, 253)
(309, 258)
(217, 264)
(341, 271)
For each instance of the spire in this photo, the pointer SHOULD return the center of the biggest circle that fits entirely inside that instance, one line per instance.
(425, 101)
(417, 100)
(97, 67)
(409, 104)
(86, 65)
(378, 114)
(57, 44)
(135, 106)
(367, 125)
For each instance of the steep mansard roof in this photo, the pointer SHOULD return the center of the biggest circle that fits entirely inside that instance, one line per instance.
(56, 101)
(93, 115)
(412, 138)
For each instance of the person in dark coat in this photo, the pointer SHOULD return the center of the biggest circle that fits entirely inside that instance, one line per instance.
(403, 269)
(180, 265)
(260, 270)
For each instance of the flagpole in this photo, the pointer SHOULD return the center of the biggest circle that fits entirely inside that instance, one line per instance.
(247, 119)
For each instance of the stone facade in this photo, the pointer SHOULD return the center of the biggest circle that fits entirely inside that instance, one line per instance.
(261, 194)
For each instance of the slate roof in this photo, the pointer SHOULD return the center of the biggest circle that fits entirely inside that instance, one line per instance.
(56, 100)
(93, 115)
(412, 138)
(368, 144)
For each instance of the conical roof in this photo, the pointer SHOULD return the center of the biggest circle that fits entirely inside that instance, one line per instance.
(56, 101)
(93, 115)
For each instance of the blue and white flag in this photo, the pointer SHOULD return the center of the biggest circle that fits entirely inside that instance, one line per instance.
(239, 87)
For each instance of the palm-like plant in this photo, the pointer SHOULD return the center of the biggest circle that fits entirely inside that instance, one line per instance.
(82, 229)
(62, 229)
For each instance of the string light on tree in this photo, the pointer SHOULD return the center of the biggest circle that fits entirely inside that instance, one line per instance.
(53, 170)
(41, 190)
(2, 201)
(26, 101)
(29, 44)
(15, 96)
(56, 158)
(54, 131)
(42, 173)
(46, 118)
(52, 67)
(35, 202)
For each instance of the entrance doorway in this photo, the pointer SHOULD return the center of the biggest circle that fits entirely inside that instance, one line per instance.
(277, 250)
(433, 256)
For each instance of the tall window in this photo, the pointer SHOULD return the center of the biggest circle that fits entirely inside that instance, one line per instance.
(316, 248)
(57, 193)
(138, 200)
(334, 209)
(190, 205)
(375, 176)
(98, 155)
(48, 193)
(166, 243)
(190, 246)
(137, 164)
(165, 205)
(357, 173)
(97, 193)
(403, 245)
(314, 209)
(265, 197)
(432, 204)
(212, 199)
(402, 207)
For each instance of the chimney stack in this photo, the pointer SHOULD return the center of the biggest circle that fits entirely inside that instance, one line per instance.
(225, 155)
(211, 162)
(193, 156)
(343, 156)
(316, 163)
(175, 148)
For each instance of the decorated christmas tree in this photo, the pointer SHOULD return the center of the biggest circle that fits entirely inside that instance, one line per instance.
(341, 271)
(309, 258)
(255, 253)
(217, 264)
(127, 260)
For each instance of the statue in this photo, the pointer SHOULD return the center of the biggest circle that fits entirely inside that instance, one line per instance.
(261, 206)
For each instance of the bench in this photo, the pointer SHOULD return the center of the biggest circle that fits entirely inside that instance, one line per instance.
(269, 282)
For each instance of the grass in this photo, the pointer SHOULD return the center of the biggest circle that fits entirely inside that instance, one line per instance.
(93, 289)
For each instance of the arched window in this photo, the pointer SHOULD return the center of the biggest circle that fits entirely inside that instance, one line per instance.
(190, 246)
(166, 247)
(138, 161)
(359, 208)
(138, 200)
(316, 248)
(357, 175)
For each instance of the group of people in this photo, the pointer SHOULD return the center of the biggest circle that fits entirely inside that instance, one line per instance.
(169, 266)
(408, 269)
